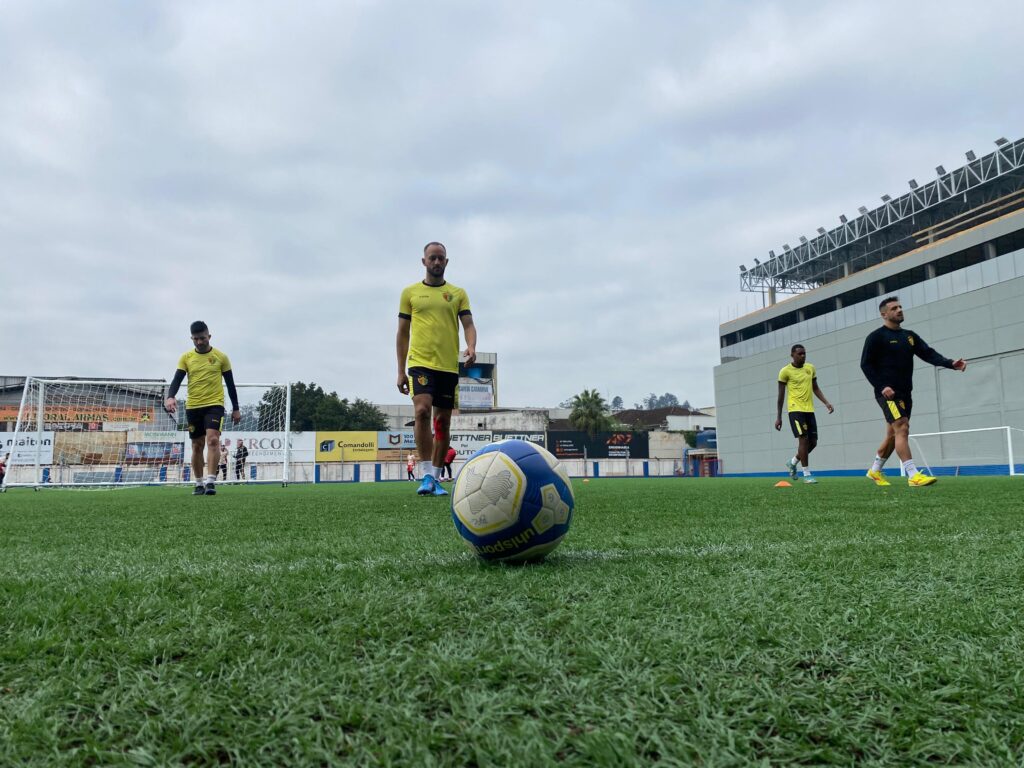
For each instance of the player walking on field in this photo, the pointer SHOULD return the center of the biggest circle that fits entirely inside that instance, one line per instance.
(888, 363)
(429, 313)
(801, 380)
(205, 366)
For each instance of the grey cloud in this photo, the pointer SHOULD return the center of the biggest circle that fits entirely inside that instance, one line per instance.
(597, 172)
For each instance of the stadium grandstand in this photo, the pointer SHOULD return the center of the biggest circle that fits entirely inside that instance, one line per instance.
(952, 249)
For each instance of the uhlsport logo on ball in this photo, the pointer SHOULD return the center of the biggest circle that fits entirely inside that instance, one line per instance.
(512, 502)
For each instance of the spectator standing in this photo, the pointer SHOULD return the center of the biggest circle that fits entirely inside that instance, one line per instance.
(241, 454)
(449, 459)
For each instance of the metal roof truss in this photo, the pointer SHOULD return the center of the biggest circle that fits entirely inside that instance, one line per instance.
(783, 272)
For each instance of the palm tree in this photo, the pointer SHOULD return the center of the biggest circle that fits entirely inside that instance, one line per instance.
(590, 412)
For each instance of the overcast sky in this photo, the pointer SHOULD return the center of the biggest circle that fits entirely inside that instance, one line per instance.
(598, 171)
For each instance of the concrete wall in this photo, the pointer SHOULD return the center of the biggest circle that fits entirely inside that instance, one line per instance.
(666, 445)
(517, 421)
(985, 326)
(704, 421)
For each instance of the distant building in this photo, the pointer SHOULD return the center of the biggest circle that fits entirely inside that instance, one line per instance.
(478, 383)
(952, 249)
(674, 418)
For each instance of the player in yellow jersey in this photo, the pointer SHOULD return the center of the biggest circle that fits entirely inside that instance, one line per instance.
(205, 366)
(429, 314)
(801, 380)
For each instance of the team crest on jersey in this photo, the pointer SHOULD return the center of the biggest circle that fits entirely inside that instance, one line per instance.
(447, 297)
(911, 340)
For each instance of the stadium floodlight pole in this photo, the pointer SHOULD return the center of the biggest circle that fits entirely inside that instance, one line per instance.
(287, 430)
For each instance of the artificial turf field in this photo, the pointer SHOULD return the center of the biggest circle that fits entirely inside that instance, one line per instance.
(712, 622)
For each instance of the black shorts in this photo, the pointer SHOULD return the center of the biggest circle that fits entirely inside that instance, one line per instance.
(897, 408)
(442, 386)
(202, 419)
(803, 424)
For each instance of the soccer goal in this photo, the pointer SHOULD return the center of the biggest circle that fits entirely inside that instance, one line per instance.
(983, 451)
(106, 433)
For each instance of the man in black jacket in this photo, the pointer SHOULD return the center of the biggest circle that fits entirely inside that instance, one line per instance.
(888, 363)
(241, 454)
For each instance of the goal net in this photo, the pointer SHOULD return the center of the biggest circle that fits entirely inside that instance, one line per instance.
(983, 451)
(113, 433)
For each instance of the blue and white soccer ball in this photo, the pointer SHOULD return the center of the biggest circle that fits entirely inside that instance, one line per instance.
(512, 502)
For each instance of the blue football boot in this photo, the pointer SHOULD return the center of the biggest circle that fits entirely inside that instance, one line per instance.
(439, 490)
(428, 487)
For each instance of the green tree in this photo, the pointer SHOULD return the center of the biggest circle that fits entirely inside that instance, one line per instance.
(590, 412)
(250, 418)
(653, 401)
(365, 415)
(315, 409)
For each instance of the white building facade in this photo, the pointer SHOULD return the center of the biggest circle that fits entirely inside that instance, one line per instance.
(964, 295)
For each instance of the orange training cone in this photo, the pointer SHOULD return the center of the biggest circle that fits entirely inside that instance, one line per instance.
(783, 484)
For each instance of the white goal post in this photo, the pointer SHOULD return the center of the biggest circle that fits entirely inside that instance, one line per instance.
(113, 433)
(981, 451)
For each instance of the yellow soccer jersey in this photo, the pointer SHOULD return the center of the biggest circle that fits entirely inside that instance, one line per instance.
(799, 386)
(434, 312)
(205, 377)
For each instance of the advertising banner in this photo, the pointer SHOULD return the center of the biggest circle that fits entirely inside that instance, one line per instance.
(346, 446)
(268, 447)
(603, 445)
(155, 436)
(468, 443)
(22, 447)
(567, 445)
(395, 446)
(79, 414)
(89, 447)
(624, 445)
(475, 394)
(537, 438)
(396, 441)
(154, 453)
(70, 426)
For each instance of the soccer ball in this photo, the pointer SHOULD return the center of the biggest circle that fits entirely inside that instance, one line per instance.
(512, 502)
